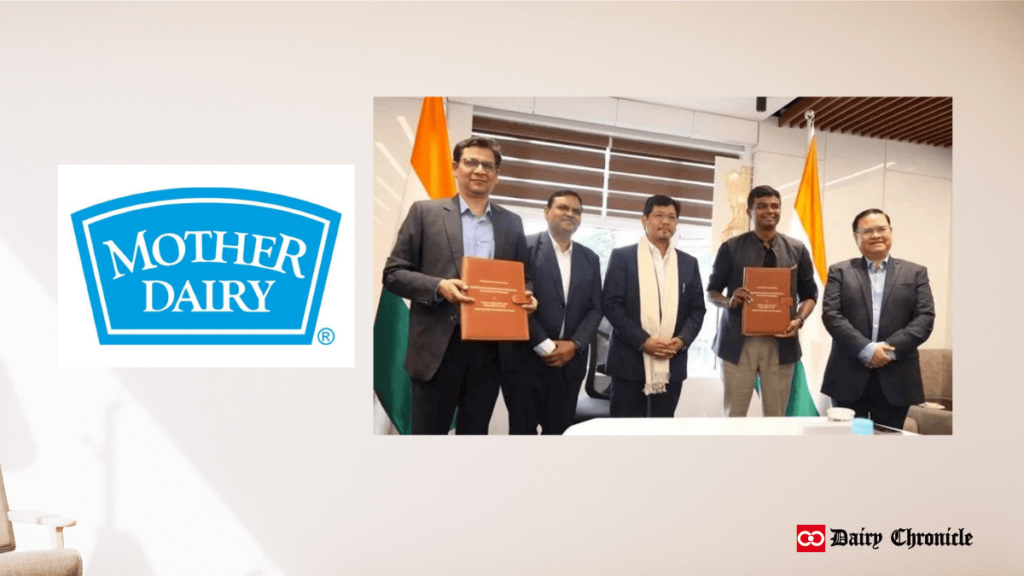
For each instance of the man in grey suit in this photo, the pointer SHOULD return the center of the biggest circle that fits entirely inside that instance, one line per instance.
(567, 283)
(424, 266)
(878, 310)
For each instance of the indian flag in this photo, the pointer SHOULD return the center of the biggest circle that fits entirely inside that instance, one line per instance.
(430, 177)
(804, 397)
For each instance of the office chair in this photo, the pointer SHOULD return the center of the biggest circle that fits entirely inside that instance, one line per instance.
(597, 402)
(58, 561)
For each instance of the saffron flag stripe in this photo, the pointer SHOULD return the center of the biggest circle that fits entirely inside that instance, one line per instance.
(431, 154)
(808, 207)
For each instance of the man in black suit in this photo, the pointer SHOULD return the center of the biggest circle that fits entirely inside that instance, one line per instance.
(424, 266)
(655, 304)
(878, 310)
(567, 283)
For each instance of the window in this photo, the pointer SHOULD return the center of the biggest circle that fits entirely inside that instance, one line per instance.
(613, 175)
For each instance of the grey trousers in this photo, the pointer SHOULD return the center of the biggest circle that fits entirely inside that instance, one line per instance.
(760, 356)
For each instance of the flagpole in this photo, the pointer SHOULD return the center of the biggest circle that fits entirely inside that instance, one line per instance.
(805, 393)
(809, 116)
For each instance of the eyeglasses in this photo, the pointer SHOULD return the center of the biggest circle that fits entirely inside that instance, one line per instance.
(882, 230)
(472, 164)
(662, 217)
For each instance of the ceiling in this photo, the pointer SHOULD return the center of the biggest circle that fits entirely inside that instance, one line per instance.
(918, 120)
(734, 107)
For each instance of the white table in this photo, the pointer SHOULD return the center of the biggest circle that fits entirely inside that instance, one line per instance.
(790, 426)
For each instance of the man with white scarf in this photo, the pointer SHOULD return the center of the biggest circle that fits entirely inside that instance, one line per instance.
(654, 300)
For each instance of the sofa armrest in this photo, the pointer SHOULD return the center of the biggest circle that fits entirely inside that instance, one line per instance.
(931, 420)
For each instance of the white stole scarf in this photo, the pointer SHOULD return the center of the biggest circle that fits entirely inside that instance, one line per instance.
(657, 309)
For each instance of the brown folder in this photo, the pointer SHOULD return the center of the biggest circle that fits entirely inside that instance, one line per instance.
(497, 286)
(772, 308)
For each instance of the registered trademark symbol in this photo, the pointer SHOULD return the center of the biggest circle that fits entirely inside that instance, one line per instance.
(325, 336)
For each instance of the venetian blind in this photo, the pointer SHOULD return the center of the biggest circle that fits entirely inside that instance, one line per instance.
(614, 172)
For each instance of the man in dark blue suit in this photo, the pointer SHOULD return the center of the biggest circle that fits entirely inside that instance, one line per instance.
(654, 300)
(879, 310)
(567, 284)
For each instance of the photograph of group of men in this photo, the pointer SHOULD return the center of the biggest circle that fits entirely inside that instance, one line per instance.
(878, 310)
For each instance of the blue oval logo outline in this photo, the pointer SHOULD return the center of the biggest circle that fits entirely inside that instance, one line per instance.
(327, 220)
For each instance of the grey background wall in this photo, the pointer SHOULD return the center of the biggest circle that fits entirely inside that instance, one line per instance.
(277, 472)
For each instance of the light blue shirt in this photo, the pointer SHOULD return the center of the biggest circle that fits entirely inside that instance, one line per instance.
(477, 235)
(877, 278)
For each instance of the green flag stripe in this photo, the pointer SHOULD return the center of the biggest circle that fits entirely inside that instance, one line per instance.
(800, 401)
(390, 343)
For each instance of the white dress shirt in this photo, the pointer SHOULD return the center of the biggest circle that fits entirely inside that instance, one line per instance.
(564, 261)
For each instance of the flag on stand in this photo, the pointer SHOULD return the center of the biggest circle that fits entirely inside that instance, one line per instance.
(430, 177)
(808, 207)
(804, 397)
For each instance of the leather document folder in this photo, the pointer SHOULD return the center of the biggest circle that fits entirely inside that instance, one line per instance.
(497, 286)
(772, 308)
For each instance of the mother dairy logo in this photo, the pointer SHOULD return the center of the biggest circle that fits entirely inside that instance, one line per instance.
(206, 266)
